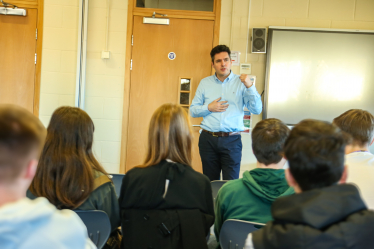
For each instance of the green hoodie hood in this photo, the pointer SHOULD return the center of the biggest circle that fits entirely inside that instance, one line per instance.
(268, 184)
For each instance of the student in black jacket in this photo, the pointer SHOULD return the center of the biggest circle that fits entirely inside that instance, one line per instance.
(68, 174)
(164, 202)
(325, 212)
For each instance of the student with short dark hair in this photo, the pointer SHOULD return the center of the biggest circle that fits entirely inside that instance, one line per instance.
(325, 213)
(250, 197)
(28, 223)
(360, 125)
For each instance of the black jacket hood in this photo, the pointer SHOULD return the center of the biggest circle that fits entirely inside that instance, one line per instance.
(311, 207)
(328, 218)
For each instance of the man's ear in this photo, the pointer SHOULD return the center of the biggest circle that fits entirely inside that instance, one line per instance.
(344, 177)
(348, 149)
(372, 141)
(31, 169)
(292, 182)
(290, 179)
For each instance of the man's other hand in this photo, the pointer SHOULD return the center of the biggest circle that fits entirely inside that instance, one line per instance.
(246, 79)
(218, 106)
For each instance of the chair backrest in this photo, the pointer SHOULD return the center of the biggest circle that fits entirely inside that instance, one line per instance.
(117, 181)
(216, 185)
(234, 233)
(98, 225)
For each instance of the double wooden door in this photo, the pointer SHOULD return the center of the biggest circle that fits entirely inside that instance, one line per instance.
(17, 59)
(155, 79)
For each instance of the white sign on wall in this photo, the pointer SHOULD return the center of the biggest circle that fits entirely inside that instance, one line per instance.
(235, 58)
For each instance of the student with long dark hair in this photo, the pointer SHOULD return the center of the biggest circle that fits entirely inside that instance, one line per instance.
(28, 223)
(165, 203)
(68, 174)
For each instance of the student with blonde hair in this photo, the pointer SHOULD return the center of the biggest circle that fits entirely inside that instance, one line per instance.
(165, 203)
(28, 223)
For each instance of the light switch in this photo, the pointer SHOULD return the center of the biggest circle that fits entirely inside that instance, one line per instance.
(105, 54)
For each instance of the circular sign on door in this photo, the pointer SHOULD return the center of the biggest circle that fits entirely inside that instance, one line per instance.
(171, 56)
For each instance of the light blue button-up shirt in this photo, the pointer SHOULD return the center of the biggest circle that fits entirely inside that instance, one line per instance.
(231, 90)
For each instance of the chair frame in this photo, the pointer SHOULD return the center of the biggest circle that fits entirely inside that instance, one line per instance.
(119, 184)
(98, 225)
(217, 182)
(234, 233)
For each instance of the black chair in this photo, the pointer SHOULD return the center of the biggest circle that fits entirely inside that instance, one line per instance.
(216, 185)
(98, 225)
(117, 181)
(234, 233)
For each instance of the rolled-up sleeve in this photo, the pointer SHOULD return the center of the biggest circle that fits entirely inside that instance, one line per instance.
(252, 100)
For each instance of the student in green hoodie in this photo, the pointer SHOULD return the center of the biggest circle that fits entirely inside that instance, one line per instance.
(250, 198)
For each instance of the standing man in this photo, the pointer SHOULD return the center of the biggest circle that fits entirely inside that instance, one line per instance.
(220, 99)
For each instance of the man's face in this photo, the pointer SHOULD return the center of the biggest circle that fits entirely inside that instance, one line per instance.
(222, 64)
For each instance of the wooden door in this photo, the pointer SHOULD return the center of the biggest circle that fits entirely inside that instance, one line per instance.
(17, 59)
(155, 78)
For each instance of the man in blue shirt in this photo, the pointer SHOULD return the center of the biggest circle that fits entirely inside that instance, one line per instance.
(220, 99)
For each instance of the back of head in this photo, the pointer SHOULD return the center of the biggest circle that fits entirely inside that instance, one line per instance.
(67, 163)
(268, 138)
(358, 123)
(169, 136)
(21, 139)
(315, 153)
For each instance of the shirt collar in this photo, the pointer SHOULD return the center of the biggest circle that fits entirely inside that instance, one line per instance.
(227, 79)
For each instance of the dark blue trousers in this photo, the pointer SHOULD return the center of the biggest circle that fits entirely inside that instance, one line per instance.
(220, 153)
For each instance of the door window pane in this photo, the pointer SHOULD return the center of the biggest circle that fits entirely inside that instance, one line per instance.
(185, 84)
(197, 5)
(185, 99)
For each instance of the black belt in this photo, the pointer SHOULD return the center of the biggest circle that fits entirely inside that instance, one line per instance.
(222, 134)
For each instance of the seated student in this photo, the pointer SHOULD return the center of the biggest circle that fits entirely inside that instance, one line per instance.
(250, 197)
(165, 203)
(28, 223)
(323, 213)
(68, 174)
(360, 125)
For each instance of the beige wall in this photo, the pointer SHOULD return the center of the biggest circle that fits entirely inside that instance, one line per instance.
(59, 57)
(105, 78)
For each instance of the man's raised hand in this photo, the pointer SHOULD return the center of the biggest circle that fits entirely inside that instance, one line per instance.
(246, 80)
(218, 106)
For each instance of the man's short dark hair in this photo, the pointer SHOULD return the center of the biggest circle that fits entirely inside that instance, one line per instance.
(315, 153)
(219, 49)
(21, 133)
(268, 138)
(358, 123)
